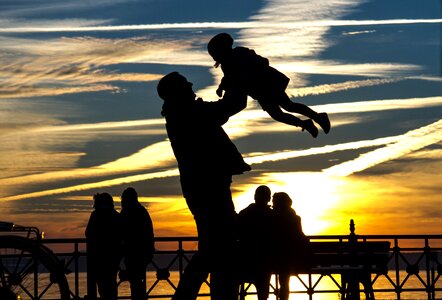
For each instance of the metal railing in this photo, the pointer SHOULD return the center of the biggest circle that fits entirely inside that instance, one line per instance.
(414, 267)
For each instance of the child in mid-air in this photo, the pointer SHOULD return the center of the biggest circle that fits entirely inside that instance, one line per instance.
(262, 82)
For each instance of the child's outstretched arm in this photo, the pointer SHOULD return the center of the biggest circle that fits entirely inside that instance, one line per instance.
(221, 87)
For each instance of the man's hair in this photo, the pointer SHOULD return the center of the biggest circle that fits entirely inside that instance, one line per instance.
(262, 194)
(130, 192)
(129, 198)
(165, 87)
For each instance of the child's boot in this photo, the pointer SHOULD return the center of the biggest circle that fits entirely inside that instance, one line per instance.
(310, 127)
(323, 121)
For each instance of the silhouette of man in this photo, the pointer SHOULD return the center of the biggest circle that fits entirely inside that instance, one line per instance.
(255, 240)
(138, 242)
(207, 159)
(103, 238)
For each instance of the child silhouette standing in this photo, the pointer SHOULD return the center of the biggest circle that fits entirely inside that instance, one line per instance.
(263, 83)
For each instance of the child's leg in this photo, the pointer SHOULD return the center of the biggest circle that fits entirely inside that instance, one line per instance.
(294, 107)
(277, 114)
(287, 104)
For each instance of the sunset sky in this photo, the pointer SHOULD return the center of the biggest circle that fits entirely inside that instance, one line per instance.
(79, 112)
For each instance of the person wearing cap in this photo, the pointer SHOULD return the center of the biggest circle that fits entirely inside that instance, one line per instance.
(207, 159)
(263, 83)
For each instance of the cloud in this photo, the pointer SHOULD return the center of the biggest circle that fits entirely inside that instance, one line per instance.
(257, 121)
(6, 23)
(251, 120)
(411, 141)
(256, 158)
(263, 27)
(28, 91)
(380, 105)
(358, 32)
(138, 161)
(336, 87)
(95, 185)
(72, 65)
(381, 70)
(17, 9)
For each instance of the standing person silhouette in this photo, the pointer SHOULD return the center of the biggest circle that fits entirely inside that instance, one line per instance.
(255, 230)
(291, 245)
(263, 83)
(138, 241)
(104, 248)
(207, 159)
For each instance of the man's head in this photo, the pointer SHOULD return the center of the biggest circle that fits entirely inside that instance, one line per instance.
(220, 47)
(262, 195)
(129, 198)
(175, 87)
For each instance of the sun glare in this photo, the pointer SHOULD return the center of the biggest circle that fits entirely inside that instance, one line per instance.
(313, 195)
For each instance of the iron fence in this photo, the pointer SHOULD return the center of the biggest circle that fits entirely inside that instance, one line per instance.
(414, 268)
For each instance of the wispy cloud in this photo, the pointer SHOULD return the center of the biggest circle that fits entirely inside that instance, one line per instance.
(336, 87)
(72, 65)
(95, 185)
(28, 91)
(358, 32)
(241, 125)
(161, 152)
(380, 105)
(261, 158)
(59, 26)
(381, 70)
(408, 142)
(393, 148)
(19, 9)
(46, 23)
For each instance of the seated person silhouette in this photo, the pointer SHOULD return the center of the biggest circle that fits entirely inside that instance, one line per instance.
(255, 242)
(263, 83)
(291, 254)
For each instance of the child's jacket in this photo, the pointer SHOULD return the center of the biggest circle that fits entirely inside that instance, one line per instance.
(254, 73)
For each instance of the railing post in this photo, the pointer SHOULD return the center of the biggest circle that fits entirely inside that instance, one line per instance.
(352, 236)
(180, 257)
(76, 257)
(351, 284)
(90, 279)
(35, 258)
(427, 253)
(396, 251)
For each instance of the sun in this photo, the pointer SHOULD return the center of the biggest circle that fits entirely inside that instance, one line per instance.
(314, 194)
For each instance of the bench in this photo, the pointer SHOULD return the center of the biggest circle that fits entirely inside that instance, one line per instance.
(355, 261)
